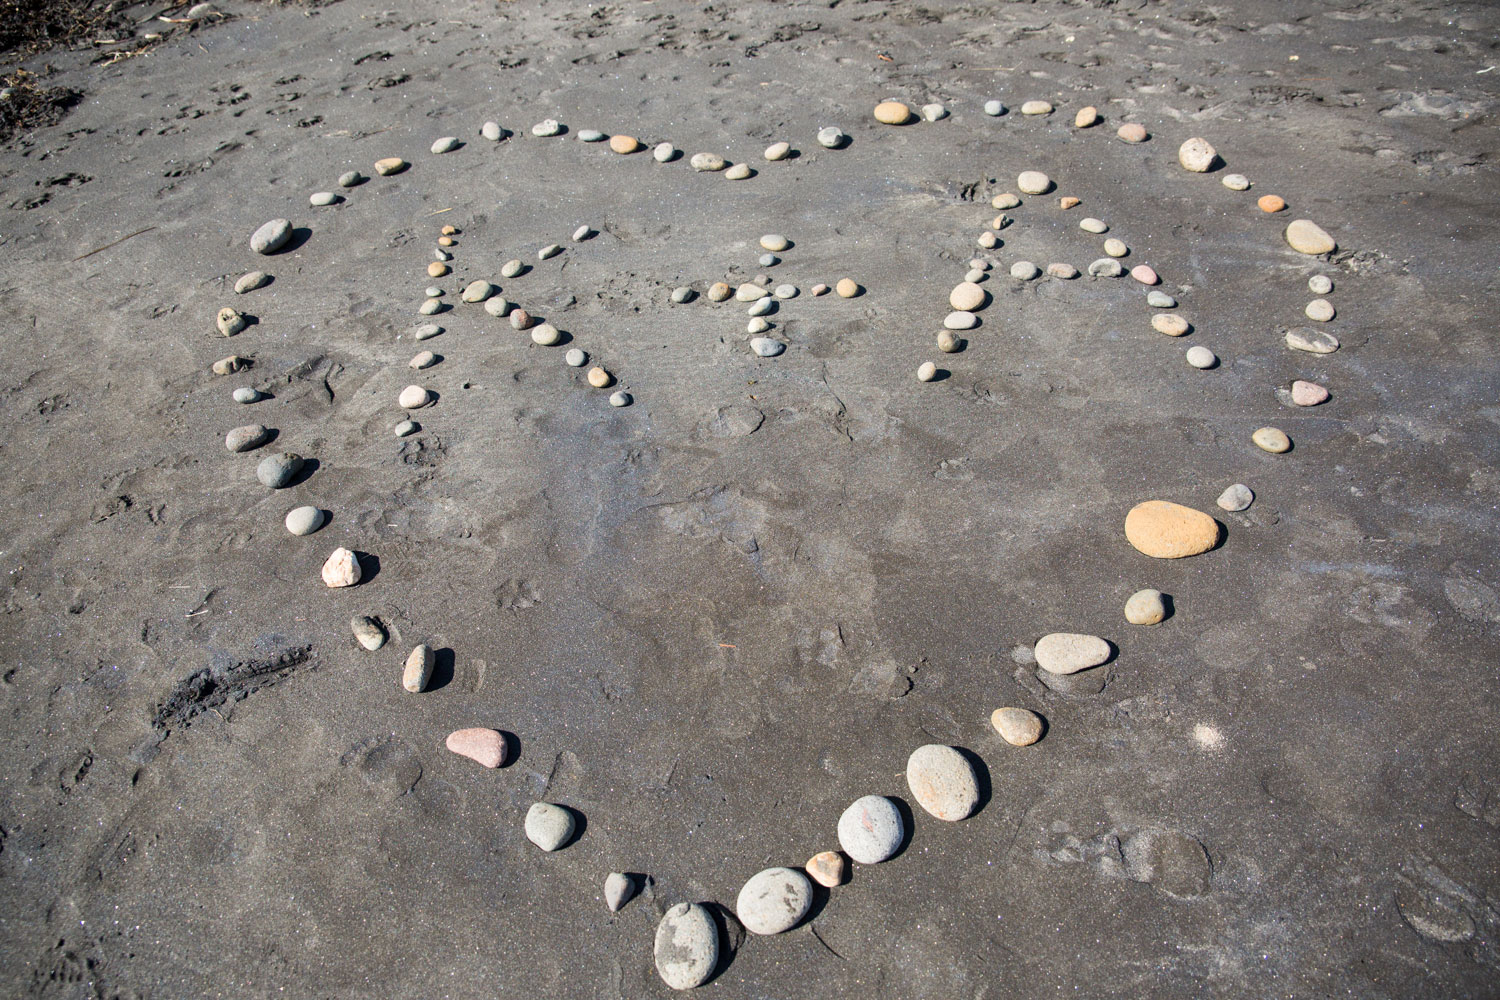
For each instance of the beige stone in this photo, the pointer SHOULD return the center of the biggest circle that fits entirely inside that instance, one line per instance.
(966, 296)
(1272, 439)
(1306, 236)
(1165, 530)
(1019, 727)
(484, 746)
(828, 868)
(417, 672)
(892, 113)
(342, 569)
(1145, 607)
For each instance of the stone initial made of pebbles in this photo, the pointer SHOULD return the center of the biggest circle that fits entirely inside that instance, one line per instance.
(943, 782)
(773, 900)
(687, 946)
(1145, 607)
(1165, 530)
(549, 826)
(485, 747)
(1019, 727)
(871, 830)
(342, 569)
(1069, 652)
(416, 673)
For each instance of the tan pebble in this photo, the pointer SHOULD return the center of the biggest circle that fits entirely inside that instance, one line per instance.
(342, 569)
(819, 289)
(1306, 236)
(1197, 155)
(774, 242)
(1165, 530)
(1086, 117)
(437, 269)
(707, 162)
(926, 372)
(1145, 607)
(777, 151)
(847, 288)
(719, 291)
(417, 672)
(483, 746)
(1170, 324)
(1115, 248)
(966, 296)
(1033, 182)
(828, 868)
(738, 172)
(949, 342)
(1066, 271)
(1308, 393)
(413, 397)
(390, 165)
(1131, 132)
(1320, 310)
(1069, 202)
(1270, 203)
(230, 365)
(1036, 108)
(448, 231)
(599, 378)
(445, 241)
(1005, 200)
(892, 113)
(1019, 727)
(1272, 439)
(231, 321)
(624, 144)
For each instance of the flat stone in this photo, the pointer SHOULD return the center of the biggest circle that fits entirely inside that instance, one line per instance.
(416, 673)
(1236, 182)
(762, 307)
(767, 347)
(591, 135)
(682, 294)
(1115, 248)
(305, 520)
(368, 632)
(738, 172)
(831, 137)
(1236, 497)
(1270, 203)
(750, 292)
(342, 568)
(1086, 117)
(511, 268)
(246, 438)
(246, 394)
(1320, 310)
(1318, 284)
(1070, 652)
(497, 306)
(1036, 108)
(1305, 338)
(1308, 393)
(485, 747)
(547, 127)
(786, 291)
(1093, 225)
(960, 321)
(1197, 155)
(424, 359)
(351, 178)
(549, 826)
(1024, 270)
(1201, 357)
(892, 113)
(389, 165)
(1144, 274)
(1306, 236)
(828, 869)
(618, 890)
(276, 471)
(549, 251)
(773, 900)
(413, 397)
(1272, 439)
(777, 151)
(425, 331)
(926, 371)
(406, 428)
(271, 237)
(943, 782)
(687, 946)
(446, 144)
(251, 281)
(994, 108)
(774, 242)
(1033, 182)
(1132, 133)
(621, 398)
(1170, 324)
(546, 335)
(1165, 530)
(663, 152)
(1145, 607)
(871, 830)
(1005, 200)
(1017, 726)
(1158, 299)
(1104, 267)
(707, 162)
(967, 296)
(478, 291)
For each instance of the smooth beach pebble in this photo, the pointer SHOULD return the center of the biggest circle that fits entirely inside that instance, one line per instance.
(548, 825)
(413, 397)
(1086, 117)
(1308, 393)
(417, 671)
(681, 294)
(1236, 182)
(1019, 727)
(750, 292)
(687, 946)
(949, 342)
(1005, 200)
(390, 165)
(1318, 284)
(1070, 652)
(966, 296)
(547, 127)
(738, 172)
(926, 371)
(368, 632)
(576, 358)
(1131, 132)
(1104, 267)
(1165, 530)
(618, 890)
(621, 398)
(847, 288)
(773, 900)
(477, 291)
(491, 131)
(230, 321)
(1145, 607)
(1201, 357)
(437, 269)
(1320, 310)
(777, 151)
(599, 378)
(975, 275)
(1236, 497)
(892, 113)
(342, 569)
(1272, 439)
(246, 438)
(831, 137)
(1068, 201)
(1305, 338)
(549, 251)
(1158, 299)
(1115, 248)
(1170, 324)
(943, 782)
(351, 178)
(987, 241)
(276, 471)
(406, 428)
(994, 108)
(762, 306)
(828, 869)
(511, 268)
(871, 830)
(426, 331)
(485, 747)
(1024, 270)
(246, 394)
(431, 307)
(785, 291)
(1306, 236)
(545, 335)
(719, 291)
(1036, 108)
(1092, 225)
(252, 280)
(663, 152)
(433, 291)
(624, 144)
(1144, 274)
(498, 306)
(271, 237)
(960, 321)
(767, 347)
(1197, 155)
(304, 520)
(1270, 203)
(774, 242)
(1033, 182)
(591, 135)
(446, 144)
(707, 162)
(819, 289)
(934, 112)
(1065, 271)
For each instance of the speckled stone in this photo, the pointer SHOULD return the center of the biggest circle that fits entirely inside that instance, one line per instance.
(871, 830)
(1017, 726)
(1165, 530)
(773, 900)
(943, 782)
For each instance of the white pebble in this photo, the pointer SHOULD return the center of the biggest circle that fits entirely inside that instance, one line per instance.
(321, 198)
(1092, 225)
(548, 251)
(620, 398)
(582, 233)
(1024, 270)
(576, 358)
(926, 372)
(446, 144)
(934, 112)
(1033, 182)
(663, 152)
(778, 150)
(1320, 284)
(304, 520)
(994, 108)
(831, 137)
(786, 291)
(547, 126)
(1236, 182)
(1201, 357)
(767, 347)
(492, 131)
(757, 325)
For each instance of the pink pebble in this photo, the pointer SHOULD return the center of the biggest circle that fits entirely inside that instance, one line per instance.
(483, 745)
(1144, 274)
(1308, 393)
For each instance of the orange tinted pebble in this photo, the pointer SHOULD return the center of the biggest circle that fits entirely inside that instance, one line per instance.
(1271, 203)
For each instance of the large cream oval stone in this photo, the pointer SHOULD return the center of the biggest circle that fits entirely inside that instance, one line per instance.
(1165, 530)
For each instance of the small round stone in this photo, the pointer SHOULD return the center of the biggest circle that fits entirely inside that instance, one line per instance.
(831, 137)
(390, 165)
(681, 294)
(448, 230)
(342, 569)
(547, 127)
(406, 428)
(582, 233)
(545, 335)
(624, 144)
(1065, 271)
(663, 152)
(979, 264)
(620, 398)
(1170, 324)
(1144, 274)
(511, 268)
(576, 358)
(413, 397)
(368, 631)
(773, 900)
(785, 291)
(426, 331)
(762, 306)
(231, 321)
(1270, 203)
(446, 144)
(774, 242)
(491, 131)
(304, 520)
(438, 253)
(719, 291)
(1308, 393)
(1165, 530)
(1197, 155)
(994, 108)
(591, 135)
(1092, 225)
(549, 251)
(767, 347)
(987, 241)
(1115, 248)
(949, 342)
(1104, 267)
(738, 172)
(768, 260)
(1005, 200)
(437, 269)
(1305, 338)
(960, 321)
(871, 830)
(1145, 607)
(1024, 270)
(707, 162)
(1086, 117)
(351, 178)
(246, 394)
(975, 275)
(1201, 357)
(1033, 182)
(599, 378)
(434, 292)
(1236, 497)
(1318, 284)
(549, 826)
(1236, 182)
(847, 288)
(485, 747)
(271, 237)
(1320, 310)
(967, 296)
(1132, 133)
(276, 471)
(943, 782)
(1017, 726)
(1158, 299)
(319, 199)
(687, 946)
(934, 112)
(892, 113)
(1272, 439)
(777, 151)
(819, 289)
(926, 372)
(416, 673)
(828, 869)
(1036, 108)
(1070, 652)
(430, 307)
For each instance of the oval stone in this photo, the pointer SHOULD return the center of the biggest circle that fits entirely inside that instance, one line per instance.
(304, 520)
(368, 632)
(549, 826)
(1308, 393)
(966, 296)
(892, 113)
(250, 281)
(960, 321)
(271, 237)
(1165, 530)
(1305, 338)
(1033, 182)
(485, 747)
(1197, 155)
(1017, 726)
(1306, 236)
(417, 671)
(871, 829)
(773, 900)
(1272, 439)
(276, 471)
(943, 782)
(687, 946)
(246, 438)
(1070, 652)
(1236, 497)
(777, 151)
(413, 397)
(1145, 607)
(707, 162)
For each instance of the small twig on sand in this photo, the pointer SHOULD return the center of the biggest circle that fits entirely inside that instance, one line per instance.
(116, 243)
(438, 212)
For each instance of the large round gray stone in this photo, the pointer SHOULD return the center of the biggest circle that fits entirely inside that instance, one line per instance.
(773, 901)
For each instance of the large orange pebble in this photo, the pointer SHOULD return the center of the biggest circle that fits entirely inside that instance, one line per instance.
(1165, 530)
